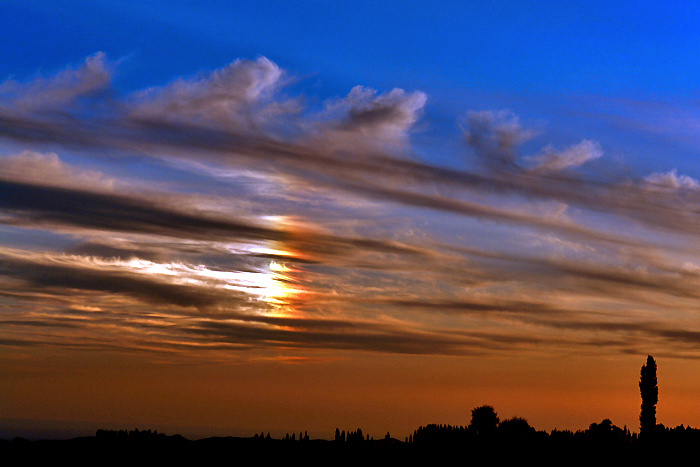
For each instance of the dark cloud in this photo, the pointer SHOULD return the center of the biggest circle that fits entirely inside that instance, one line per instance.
(491, 305)
(16, 343)
(657, 334)
(87, 209)
(496, 136)
(367, 337)
(52, 323)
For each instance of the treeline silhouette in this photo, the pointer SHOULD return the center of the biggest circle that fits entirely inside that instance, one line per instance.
(508, 441)
(486, 439)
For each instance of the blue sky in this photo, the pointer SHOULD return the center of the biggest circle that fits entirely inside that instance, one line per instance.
(481, 201)
(617, 48)
(611, 58)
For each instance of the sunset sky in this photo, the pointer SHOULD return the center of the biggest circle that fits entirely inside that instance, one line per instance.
(222, 218)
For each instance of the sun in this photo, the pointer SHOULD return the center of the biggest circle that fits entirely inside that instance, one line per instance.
(280, 286)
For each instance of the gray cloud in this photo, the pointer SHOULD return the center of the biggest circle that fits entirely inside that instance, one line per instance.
(48, 94)
(496, 136)
(671, 181)
(364, 122)
(240, 95)
(35, 203)
(365, 336)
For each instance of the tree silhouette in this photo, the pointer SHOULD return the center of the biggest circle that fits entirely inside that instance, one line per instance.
(650, 396)
(484, 420)
(515, 428)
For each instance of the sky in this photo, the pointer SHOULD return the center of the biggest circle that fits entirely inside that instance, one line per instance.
(231, 218)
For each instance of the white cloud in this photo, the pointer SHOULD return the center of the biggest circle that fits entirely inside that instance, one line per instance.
(47, 169)
(671, 180)
(575, 156)
(242, 94)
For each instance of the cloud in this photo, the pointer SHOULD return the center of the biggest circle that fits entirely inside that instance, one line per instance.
(495, 136)
(88, 212)
(347, 147)
(366, 121)
(47, 169)
(575, 156)
(72, 274)
(240, 95)
(464, 276)
(33, 204)
(222, 317)
(122, 252)
(671, 181)
(92, 77)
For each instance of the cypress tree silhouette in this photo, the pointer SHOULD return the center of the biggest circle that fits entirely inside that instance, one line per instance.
(650, 396)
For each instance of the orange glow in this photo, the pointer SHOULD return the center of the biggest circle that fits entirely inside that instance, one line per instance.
(281, 288)
(397, 393)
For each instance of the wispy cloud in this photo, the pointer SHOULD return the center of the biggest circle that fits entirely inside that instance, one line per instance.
(64, 88)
